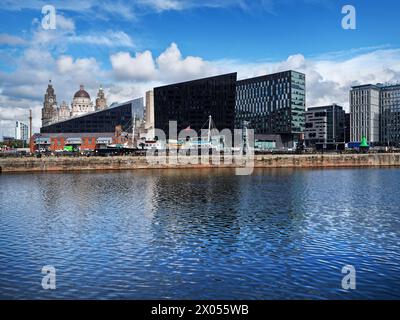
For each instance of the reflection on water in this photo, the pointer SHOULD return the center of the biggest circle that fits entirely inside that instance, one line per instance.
(201, 234)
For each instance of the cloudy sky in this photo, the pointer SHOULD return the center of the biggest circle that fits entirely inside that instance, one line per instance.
(132, 46)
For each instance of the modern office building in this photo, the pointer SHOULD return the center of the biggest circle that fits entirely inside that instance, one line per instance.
(191, 103)
(21, 131)
(325, 127)
(273, 105)
(390, 114)
(347, 127)
(365, 113)
(99, 121)
(375, 113)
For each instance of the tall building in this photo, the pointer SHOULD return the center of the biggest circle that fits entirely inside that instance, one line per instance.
(49, 110)
(365, 113)
(390, 114)
(21, 131)
(149, 110)
(375, 113)
(273, 105)
(81, 103)
(325, 126)
(191, 103)
(101, 101)
(347, 127)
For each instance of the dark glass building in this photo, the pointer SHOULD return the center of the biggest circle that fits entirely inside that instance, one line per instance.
(347, 126)
(325, 125)
(97, 122)
(273, 105)
(191, 103)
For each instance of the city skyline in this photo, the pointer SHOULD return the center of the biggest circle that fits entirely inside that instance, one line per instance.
(130, 54)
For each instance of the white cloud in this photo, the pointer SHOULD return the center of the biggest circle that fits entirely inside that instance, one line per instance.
(173, 66)
(179, 5)
(162, 5)
(65, 23)
(108, 38)
(81, 67)
(170, 65)
(7, 39)
(141, 67)
(65, 35)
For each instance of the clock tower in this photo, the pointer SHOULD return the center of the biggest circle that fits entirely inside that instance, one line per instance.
(101, 102)
(49, 110)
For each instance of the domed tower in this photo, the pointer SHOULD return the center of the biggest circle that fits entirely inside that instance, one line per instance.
(49, 110)
(81, 103)
(101, 102)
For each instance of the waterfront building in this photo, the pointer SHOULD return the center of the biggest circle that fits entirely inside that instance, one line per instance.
(325, 126)
(365, 113)
(390, 114)
(99, 121)
(375, 113)
(21, 131)
(81, 104)
(92, 130)
(191, 103)
(78, 141)
(273, 105)
(347, 127)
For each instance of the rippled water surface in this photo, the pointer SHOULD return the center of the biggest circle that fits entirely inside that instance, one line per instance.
(201, 234)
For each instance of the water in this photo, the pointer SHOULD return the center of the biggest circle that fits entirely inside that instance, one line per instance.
(201, 234)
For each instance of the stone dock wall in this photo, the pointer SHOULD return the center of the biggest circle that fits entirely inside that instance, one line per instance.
(48, 164)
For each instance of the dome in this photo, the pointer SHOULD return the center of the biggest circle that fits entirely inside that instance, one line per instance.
(81, 93)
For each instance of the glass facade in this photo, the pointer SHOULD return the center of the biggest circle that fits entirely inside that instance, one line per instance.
(191, 103)
(100, 121)
(325, 125)
(272, 104)
(390, 114)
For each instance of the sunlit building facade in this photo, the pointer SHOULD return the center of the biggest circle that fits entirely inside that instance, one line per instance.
(273, 104)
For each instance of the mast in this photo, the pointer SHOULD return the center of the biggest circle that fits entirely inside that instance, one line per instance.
(30, 126)
(209, 129)
(133, 129)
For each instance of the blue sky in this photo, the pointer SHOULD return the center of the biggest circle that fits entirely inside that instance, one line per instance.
(130, 46)
(252, 31)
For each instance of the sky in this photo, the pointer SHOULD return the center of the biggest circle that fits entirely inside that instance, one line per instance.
(129, 47)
